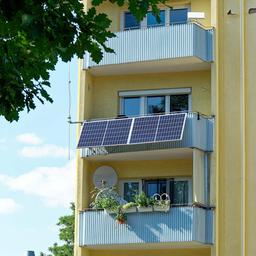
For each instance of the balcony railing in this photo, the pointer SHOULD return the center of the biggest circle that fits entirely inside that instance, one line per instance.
(157, 44)
(180, 225)
(198, 133)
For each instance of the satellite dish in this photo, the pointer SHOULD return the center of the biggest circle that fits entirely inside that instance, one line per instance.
(104, 176)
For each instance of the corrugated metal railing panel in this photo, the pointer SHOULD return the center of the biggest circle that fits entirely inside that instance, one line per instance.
(203, 43)
(203, 225)
(198, 133)
(181, 224)
(159, 43)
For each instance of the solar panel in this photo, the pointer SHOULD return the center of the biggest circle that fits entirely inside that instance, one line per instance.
(117, 132)
(144, 129)
(92, 134)
(138, 130)
(171, 127)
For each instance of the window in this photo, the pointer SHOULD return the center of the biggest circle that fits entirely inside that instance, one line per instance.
(167, 16)
(129, 188)
(131, 106)
(135, 103)
(178, 16)
(130, 22)
(179, 103)
(179, 189)
(152, 187)
(152, 21)
(155, 104)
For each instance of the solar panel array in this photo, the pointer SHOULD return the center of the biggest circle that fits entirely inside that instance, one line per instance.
(136, 130)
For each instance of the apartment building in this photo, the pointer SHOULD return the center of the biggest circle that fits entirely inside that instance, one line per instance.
(171, 113)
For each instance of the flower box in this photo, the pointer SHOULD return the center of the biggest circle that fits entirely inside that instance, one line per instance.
(107, 211)
(145, 209)
(161, 208)
(130, 210)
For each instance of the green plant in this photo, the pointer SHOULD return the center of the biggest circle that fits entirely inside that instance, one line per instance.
(129, 205)
(142, 200)
(120, 216)
(105, 198)
(107, 203)
(66, 226)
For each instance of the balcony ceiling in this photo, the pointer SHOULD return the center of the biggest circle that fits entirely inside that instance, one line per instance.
(168, 65)
(180, 153)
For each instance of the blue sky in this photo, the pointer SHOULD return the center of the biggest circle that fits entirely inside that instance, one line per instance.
(36, 175)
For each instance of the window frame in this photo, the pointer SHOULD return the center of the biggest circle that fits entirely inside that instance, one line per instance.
(143, 94)
(190, 187)
(168, 185)
(121, 185)
(179, 7)
(122, 23)
(143, 23)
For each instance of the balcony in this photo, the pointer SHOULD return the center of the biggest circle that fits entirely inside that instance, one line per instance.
(185, 225)
(198, 133)
(180, 47)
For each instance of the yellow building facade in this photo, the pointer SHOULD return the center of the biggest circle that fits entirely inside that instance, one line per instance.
(197, 64)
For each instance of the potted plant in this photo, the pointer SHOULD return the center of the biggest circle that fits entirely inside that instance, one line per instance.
(108, 203)
(120, 216)
(105, 198)
(144, 204)
(129, 207)
(161, 203)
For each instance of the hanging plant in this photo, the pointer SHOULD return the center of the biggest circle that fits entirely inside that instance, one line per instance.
(120, 216)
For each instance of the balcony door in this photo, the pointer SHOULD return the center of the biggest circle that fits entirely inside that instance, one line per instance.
(179, 189)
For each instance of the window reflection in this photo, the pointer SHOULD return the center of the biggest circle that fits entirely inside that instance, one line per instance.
(131, 106)
(155, 104)
(130, 190)
(130, 22)
(178, 16)
(155, 187)
(180, 192)
(152, 21)
(179, 103)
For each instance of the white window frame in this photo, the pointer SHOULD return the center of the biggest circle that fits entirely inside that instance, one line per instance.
(143, 94)
(143, 23)
(121, 185)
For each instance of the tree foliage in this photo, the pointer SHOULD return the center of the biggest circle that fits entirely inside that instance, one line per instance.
(35, 34)
(66, 234)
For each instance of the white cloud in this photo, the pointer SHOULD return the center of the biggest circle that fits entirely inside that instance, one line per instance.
(8, 206)
(54, 185)
(29, 138)
(47, 150)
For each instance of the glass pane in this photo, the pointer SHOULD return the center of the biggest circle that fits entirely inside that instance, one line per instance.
(152, 21)
(178, 16)
(155, 104)
(179, 103)
(130, 21)
(162, 187)
(130, 190)
(155, 186)
(152, 188)
(180, 192)
(131, 106)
